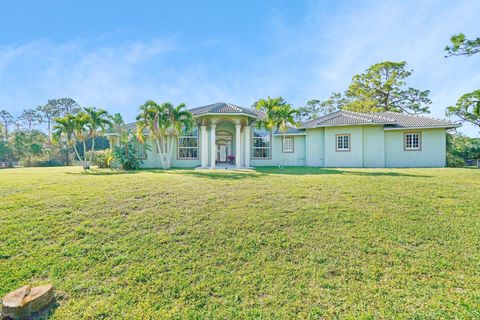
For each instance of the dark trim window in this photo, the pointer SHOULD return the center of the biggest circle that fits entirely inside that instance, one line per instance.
(288, 145)
(412, 141)
(188, 144)
(342, 142)
(261, 143)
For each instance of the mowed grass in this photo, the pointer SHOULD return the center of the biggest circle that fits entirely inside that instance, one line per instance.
(271, 244)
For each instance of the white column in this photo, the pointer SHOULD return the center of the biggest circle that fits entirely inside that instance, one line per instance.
(247, 146)
(204, 156)
(213, 147)
(238, 159)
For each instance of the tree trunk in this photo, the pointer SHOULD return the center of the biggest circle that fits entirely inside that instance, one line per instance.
(85, 164)
(91, 153)
(170, 152)
(161, 153)
(49, 132)
(283, 153)
(78, 154)
(67, 156)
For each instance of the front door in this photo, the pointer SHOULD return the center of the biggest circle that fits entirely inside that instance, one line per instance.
(222, 153)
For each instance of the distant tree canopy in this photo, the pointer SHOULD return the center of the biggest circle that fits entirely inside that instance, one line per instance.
(461, 46)
(7, 120)
(64, 106)
(27, 144)
(314, 109)
(101, 143)
(461, 148)
(30, 118)
(467, 107)
(382, 87)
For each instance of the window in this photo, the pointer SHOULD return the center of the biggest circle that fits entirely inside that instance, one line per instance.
(343, 142)
(188, 144)
(261, 139)
(140, 151)
(412, 141)
(288, 145)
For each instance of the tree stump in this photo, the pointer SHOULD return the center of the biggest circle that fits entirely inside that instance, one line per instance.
(21, 303)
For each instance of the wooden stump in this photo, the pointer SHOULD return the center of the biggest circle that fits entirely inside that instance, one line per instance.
(24, 301)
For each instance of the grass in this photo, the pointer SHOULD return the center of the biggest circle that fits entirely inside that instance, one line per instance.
(271, 244)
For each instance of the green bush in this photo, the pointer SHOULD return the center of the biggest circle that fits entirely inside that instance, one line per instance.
(102, 158)
(454, 161)
(48, 163)
(126, 157)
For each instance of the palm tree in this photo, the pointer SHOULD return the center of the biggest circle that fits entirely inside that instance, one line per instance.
(163, 121)
(154, 118)
(97, 119)
(64, 128)
(278, 114)
(180, 120)
(81, 132)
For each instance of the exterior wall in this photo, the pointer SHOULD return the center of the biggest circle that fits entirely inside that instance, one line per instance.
(153, 158)
(370, 146)
(373, 147)
(315, 147)
(296, 158)
(432, 153)
(352, 158)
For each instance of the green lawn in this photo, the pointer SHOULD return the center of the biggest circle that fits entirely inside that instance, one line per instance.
(272, 244)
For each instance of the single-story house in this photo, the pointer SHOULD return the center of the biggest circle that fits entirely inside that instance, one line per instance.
(227, 134)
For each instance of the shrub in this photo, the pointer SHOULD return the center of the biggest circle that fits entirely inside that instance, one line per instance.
(48, 163)
(102, 158)
(126, 157)
(454, 161)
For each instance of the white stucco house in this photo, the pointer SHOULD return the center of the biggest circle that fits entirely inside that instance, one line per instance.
(227, 134)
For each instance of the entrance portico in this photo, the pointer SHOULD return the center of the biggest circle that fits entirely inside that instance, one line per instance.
(224, 135)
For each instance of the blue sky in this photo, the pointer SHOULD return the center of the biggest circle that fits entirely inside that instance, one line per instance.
(117, 54)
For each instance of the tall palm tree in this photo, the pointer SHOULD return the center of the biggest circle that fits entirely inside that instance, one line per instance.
(279, 115)
(154, 118)
(180, 120)
(64, 128)
(97, 119)
(81, 132)
(165, 123)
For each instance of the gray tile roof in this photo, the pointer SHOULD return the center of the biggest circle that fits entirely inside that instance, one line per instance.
(389, 119)
(223, 107)
(405, 120)
(343, 117)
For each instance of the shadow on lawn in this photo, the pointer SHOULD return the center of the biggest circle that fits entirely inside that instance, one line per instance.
(298, 171)
(256, 173)
(101, 173)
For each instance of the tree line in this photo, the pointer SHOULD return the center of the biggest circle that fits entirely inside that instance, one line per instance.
(72, 130)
